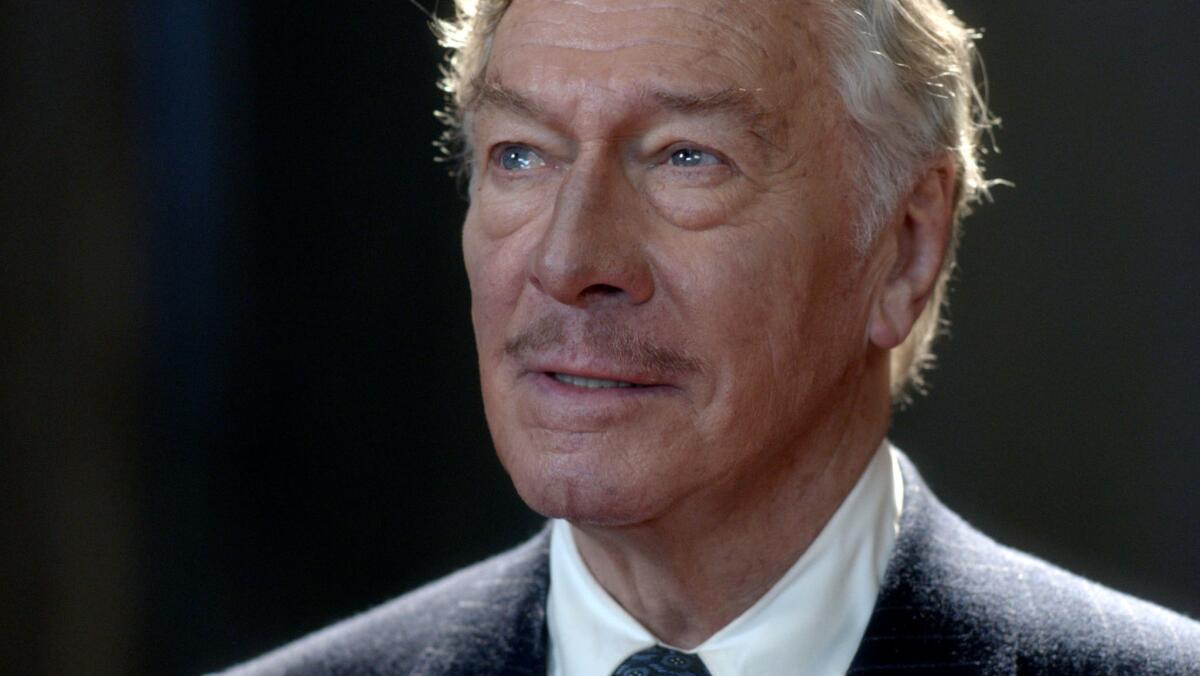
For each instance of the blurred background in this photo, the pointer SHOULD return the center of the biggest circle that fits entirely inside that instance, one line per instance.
(239, 392)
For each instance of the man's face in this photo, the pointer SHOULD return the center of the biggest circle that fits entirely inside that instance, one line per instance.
(666, 298)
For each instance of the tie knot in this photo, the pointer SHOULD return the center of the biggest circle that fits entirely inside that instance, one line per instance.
(661, 660)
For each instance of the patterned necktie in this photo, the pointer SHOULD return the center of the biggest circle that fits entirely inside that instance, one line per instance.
(660, 660)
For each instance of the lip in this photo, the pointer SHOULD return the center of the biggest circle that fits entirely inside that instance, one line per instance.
(555, 405)
(543, 403)
(559, 405)
(547, 383)
(596, 370)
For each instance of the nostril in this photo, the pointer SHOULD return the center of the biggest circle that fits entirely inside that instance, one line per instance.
(601, 290)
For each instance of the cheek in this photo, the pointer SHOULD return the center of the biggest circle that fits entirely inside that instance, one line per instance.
(496, 272)
(503, 204)
(746, 300)
(502, 211)
(757, 311)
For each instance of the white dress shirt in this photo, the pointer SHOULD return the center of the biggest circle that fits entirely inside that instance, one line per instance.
(810, 622)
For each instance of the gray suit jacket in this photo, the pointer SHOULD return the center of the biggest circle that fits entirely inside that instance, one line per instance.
(952, 602)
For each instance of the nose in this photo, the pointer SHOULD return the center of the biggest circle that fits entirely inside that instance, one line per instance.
(593, 249)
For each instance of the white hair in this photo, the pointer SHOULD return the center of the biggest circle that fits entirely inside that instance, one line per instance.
(905, 72)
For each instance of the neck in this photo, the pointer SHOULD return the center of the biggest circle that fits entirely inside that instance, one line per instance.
(692, 571)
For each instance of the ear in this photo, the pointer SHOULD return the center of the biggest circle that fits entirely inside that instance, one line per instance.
(919, 236)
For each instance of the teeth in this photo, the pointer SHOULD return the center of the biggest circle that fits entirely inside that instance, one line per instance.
(590, 383)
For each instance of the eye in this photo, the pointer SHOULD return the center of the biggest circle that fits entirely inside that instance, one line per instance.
(515, 157)
(693, 157)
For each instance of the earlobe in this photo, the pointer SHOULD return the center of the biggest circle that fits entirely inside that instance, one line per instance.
(889, 320)
(921, 233)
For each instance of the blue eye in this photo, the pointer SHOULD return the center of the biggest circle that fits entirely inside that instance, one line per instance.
(519, 158)
(693, 157)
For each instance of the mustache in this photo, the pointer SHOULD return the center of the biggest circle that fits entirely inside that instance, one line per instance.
(605, 339)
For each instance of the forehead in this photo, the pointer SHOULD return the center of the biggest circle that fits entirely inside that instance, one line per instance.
(586, 48)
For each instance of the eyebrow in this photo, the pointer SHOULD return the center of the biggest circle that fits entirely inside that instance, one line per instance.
(492, 94)
(734, 101)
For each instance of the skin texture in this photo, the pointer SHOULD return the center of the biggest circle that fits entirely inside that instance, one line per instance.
(663, 195)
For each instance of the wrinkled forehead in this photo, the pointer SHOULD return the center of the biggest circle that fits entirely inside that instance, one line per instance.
(577, 47)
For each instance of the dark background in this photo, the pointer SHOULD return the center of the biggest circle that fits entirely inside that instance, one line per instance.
(239, 389)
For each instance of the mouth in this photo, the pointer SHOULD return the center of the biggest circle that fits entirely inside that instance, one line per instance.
(591, 383)
(590, 398)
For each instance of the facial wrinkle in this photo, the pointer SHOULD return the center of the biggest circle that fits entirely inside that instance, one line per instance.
(741, 31)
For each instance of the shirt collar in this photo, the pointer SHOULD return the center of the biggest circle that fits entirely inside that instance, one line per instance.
(810, 621)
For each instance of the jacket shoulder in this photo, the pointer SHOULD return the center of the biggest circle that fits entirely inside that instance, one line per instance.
(954, 597)
(491, 613)
(1063, 623)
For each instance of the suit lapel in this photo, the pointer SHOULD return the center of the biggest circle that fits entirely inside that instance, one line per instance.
(918, 625)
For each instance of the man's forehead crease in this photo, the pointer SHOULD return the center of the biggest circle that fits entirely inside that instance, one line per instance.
(745, 104)
(739, 18)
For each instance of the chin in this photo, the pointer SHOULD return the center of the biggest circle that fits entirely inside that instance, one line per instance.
(570, 487)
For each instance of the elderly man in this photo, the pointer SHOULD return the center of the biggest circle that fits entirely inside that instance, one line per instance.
(707, 245)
